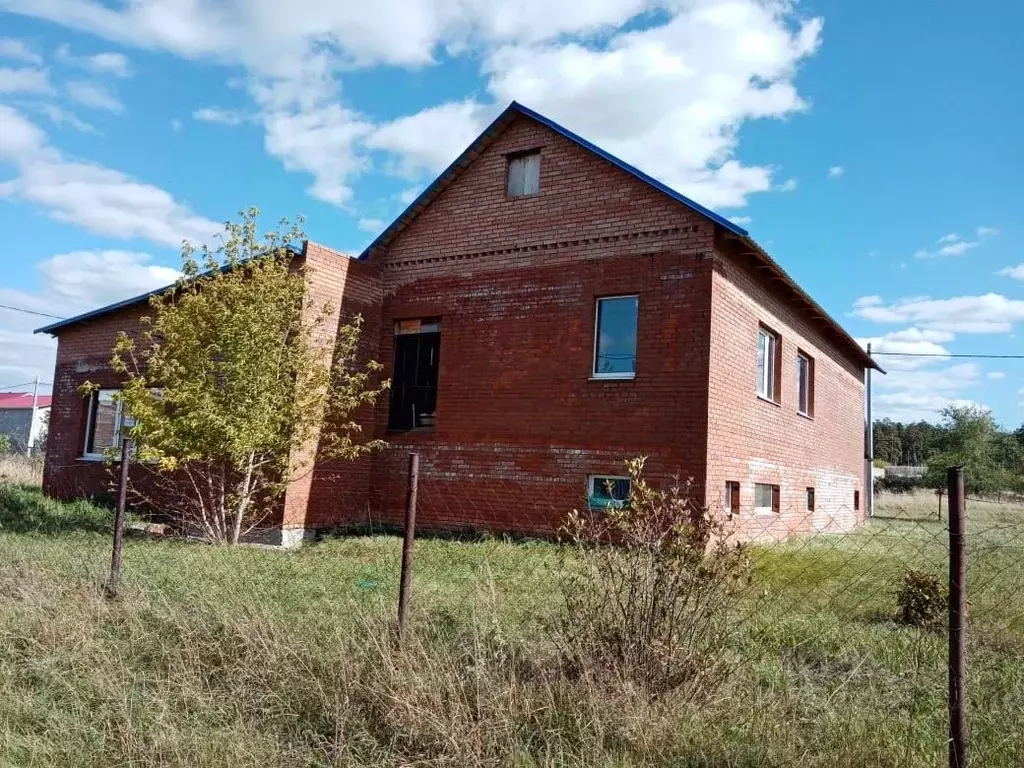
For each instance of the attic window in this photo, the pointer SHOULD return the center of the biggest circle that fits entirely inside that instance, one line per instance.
(524, 173)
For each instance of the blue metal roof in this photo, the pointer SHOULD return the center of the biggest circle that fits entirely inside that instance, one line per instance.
(490, 133)
(53, 327)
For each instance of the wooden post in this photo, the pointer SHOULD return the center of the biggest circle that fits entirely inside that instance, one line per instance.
(957, 621)
(410, 533)
(122, 498)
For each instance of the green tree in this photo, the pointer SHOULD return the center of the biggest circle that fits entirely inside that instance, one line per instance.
(236, 382)
(971, 438)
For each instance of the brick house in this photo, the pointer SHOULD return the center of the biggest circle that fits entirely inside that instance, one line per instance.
(546, 311)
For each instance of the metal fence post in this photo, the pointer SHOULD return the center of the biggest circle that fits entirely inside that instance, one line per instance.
(410, 533)
(122, 497)
(957, 621)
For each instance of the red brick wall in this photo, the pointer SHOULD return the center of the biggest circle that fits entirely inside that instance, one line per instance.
(754, 441)
(520, 424)
(83, 354)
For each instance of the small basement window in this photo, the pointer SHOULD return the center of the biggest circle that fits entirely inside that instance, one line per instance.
(103, 424)
(856, 500)
(769, 357)
(524, 173)
(766, 499)
(607, 491)
(810, 499)
(732, 497)
(414, 378)
(615, 326)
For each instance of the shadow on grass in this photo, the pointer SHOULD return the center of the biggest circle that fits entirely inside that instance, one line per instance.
(25, 509)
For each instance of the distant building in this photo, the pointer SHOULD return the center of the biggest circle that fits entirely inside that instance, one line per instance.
(18, 422)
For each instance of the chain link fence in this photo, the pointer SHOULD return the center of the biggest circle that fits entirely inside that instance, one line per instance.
(826, 648)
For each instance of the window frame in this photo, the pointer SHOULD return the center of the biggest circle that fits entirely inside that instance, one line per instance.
(807, 411)
(616, 375)
(732, 497)
(93, 406)
(510, 158)
(769, 385)
(775, 500)
(591, 496)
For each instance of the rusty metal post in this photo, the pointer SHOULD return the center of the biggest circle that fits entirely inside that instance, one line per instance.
(410, 534)
(957, 621)
(122, 499)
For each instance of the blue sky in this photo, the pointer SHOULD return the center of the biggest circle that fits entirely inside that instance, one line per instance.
(872, 148)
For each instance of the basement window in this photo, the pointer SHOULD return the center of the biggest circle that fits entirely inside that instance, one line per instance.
(766, 499)
(810, 499)
(414, 378)
(607, 491)
(856, 500)
(615, 327)
(524, 173)
(103, 424)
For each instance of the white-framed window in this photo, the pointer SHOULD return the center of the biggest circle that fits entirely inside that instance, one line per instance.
(615, 326)
(103, 423)
(524, 173)
(607, 491)
(766, 499)
(805, 383)
(767, 364)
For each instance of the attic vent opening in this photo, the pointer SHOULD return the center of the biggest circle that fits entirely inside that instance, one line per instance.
(524, 173)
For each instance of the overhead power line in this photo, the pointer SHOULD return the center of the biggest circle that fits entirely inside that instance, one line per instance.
(939, 354)
(31, 312)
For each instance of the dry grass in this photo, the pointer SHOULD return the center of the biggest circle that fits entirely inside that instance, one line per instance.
(232, 657)
(21, 470)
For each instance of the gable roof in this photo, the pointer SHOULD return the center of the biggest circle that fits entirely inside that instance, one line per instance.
(515, 109)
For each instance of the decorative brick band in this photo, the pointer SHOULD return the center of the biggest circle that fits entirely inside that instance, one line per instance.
(549, 246)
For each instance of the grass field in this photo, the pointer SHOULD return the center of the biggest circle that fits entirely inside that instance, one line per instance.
(250, 656)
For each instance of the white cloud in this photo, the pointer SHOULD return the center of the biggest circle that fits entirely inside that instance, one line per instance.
(741, 220)
(668, 92)
(789, 185)
(954, 245)
(99, 199)
(18, 50)
(24, 80)
(94, 95)
(175, 125)
(836, 171)
(371, 225)
(990, 313)
(414, 138)
(230, 117)
(64, 117)
(1015, 273)
(909, 407)
(70, 283)
(106, 63)
(996, 375)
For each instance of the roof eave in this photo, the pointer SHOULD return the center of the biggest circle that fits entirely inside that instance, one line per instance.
(816, 309)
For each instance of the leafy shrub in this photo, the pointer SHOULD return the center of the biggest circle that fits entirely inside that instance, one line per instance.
(5, 445)
(897, 484)
(651, 596)
(921, 599)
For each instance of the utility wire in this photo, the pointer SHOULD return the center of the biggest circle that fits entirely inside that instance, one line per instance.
(31, 312)
(938, 354)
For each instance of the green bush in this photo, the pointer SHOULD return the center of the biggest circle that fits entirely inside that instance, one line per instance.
(921, 599)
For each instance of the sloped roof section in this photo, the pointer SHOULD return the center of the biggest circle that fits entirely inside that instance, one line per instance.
(53, 328)
(515, 109)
